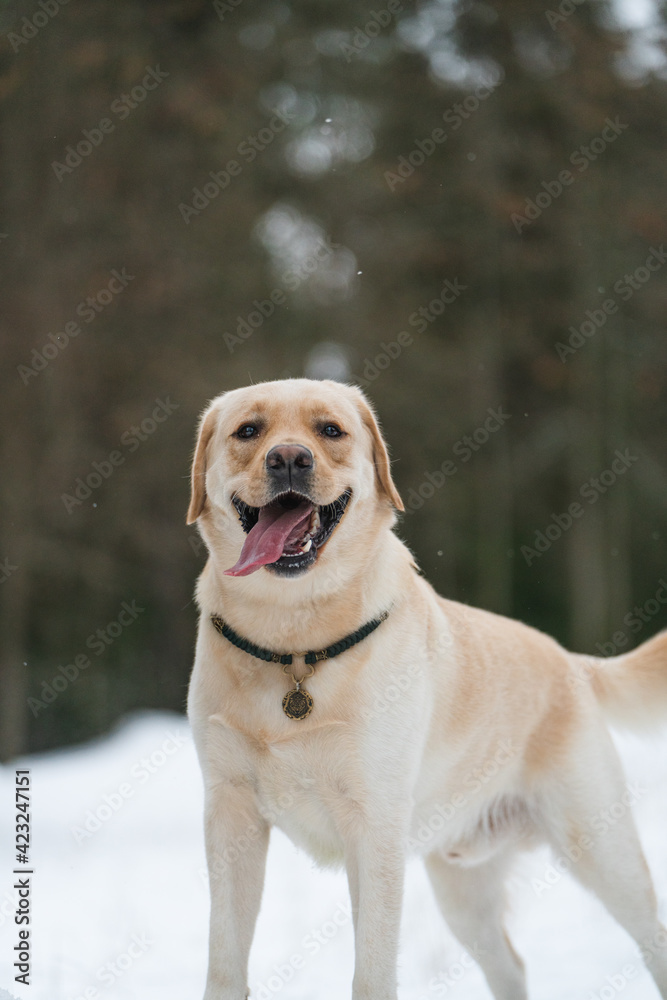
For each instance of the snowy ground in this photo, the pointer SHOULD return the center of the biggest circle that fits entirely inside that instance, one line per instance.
(121, 914)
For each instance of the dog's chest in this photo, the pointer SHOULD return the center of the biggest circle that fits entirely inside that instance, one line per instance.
(308, 788)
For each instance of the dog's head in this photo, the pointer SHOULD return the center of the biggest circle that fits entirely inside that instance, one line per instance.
(284, 469)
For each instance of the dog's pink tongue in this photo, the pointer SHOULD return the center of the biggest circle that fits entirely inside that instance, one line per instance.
(266, 541)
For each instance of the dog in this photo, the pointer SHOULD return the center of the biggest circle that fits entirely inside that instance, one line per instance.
(335, 695)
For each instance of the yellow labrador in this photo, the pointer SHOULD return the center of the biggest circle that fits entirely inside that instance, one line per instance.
(337, 696)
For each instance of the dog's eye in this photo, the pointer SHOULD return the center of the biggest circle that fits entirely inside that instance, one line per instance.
(247, 431)
(332, 431)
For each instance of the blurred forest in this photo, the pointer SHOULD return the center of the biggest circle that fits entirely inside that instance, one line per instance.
(457, 205)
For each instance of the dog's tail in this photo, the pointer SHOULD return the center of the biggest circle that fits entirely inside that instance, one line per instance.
(632, 688)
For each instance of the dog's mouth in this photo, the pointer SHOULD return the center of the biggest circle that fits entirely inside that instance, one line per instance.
(286, 534)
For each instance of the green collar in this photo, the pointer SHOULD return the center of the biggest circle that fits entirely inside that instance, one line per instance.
(311, 656)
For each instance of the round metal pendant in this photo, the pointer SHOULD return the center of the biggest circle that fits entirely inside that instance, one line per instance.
(297, 704)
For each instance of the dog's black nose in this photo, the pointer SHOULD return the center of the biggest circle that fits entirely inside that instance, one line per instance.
(292, 462)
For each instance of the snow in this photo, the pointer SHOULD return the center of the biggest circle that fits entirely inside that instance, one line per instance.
(122, 913)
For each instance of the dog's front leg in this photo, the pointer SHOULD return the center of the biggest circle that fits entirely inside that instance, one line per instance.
(237, 839)
(375, 870)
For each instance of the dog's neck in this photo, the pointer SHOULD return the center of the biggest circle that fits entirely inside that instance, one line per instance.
(311, 611)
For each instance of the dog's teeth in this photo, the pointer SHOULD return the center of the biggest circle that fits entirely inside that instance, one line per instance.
(314, 522)
(306, 546)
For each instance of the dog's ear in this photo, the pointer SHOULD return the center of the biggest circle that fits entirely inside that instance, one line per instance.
(386, 484)
(198, 494)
